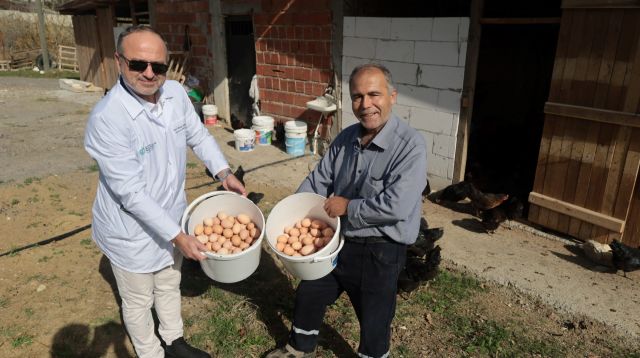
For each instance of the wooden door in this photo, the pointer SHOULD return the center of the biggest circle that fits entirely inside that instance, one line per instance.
(590, 149)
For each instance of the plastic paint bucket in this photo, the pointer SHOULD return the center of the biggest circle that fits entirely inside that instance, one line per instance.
(245, 139)
(232, 267)
(295, 134)
(291, 209)
(210, 114)
(263, 126)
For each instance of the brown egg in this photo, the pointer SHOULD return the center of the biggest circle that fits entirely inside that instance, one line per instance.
(294, 232)
(287, 229)
(249, 240)
(227, 233)
(306, 222)
(315, 224)
(307, 250)
(221, 239)
(250, 226)
(215, 246)
(288, 250)
(208, 230)
(298, 224)
(198, 230)
(244, 219)
(208, 245)
(227, 223)
(227, 244)
(314, 232)
(217, 229)
(327, 240)
(236, 240)
(244, 245)
(308, 240)
(208, 222)
(222, 215)
(223, 251)
(282, 238)
(327, 232)
(280, 246)
(254, 233)
(296, 254)
(244, 234)
(323, 225)
(303, 230)
(216, 221)
(236, 250)
(213, 237)
(237, 228)
(292, 239)
(296, 245)
(318, 242)
(203, 239)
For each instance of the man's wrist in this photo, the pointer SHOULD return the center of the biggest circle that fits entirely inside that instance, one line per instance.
(223, 174)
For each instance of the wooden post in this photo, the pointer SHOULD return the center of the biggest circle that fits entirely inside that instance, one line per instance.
(43, 36)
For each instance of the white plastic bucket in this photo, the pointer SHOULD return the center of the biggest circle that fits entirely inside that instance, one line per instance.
(210, 114)
(233, 267)
(291, 209)
(263, 126)
(295, 134)
(245, 139)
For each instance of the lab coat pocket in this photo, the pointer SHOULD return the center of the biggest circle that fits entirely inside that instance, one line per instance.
(129, 224)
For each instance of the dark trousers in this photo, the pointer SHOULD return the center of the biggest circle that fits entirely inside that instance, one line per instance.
(368, 273)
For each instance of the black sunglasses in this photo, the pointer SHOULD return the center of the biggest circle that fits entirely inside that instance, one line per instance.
(141, 66)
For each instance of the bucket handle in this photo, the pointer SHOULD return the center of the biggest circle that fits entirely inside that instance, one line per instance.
(201, 198)
(331, 255)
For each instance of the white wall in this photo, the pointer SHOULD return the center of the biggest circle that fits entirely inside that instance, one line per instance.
(426, 57)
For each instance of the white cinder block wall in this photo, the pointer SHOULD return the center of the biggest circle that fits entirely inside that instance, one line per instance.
(426, 57)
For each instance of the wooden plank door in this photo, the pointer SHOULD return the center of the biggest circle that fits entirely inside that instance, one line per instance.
(590, 148)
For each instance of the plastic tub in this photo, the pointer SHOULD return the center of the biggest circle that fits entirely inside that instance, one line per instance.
(244, 139)
(263, 126)
(210, 114)
(233, 267)
(291, 209)
(295, 133)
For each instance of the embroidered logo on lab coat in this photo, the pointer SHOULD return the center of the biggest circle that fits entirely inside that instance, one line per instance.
(146, 149)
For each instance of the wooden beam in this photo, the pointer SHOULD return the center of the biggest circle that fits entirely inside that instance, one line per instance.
(519, 20)
(578, 212)
(593, 114)
(600, 4)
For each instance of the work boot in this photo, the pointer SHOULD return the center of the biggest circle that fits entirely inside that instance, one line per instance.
(288, 352)
(181, 349)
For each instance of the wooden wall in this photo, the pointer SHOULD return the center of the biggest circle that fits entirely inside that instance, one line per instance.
(590, 149)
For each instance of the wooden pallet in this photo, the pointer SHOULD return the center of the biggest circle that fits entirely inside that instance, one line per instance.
(5, 65)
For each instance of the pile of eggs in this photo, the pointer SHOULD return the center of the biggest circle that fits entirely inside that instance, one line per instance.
(225, 234)
(305, 237)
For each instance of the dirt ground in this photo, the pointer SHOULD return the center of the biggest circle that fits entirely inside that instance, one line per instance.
(47, 185)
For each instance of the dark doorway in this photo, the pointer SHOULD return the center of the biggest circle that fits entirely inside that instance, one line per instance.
(241, 60)
(515, 64)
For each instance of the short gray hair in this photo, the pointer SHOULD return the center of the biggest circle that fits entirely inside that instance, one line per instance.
(385, 71)
(135, 29)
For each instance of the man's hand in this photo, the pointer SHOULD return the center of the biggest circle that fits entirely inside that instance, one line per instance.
(190, 247)
(336, 206)
(232, 183)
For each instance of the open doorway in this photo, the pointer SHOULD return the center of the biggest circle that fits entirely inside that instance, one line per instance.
(241, 60)
(515, 65)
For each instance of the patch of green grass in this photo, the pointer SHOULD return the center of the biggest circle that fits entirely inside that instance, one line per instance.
(44, 259)
(4, 302)
(85, 242)
(32, 225)
(448, 289)
(34, 199)
(52, 73)
(192, 165)
(75, 213)
(30, 180)
(93, 168)
(29, 312)
(21, 340)
(15, 202)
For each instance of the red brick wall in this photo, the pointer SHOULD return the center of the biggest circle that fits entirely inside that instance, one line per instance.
(171, 18)
(293, 56)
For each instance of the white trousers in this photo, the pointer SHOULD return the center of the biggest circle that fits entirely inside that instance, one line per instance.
(139, 292)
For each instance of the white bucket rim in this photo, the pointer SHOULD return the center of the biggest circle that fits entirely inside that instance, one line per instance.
(244, 133)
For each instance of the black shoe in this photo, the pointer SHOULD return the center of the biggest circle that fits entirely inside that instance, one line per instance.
(181, 349)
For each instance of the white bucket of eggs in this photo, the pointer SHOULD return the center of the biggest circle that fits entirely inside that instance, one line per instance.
(303, 236)
(232, 228)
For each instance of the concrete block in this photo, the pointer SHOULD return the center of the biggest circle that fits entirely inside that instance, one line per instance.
(348, 26)
(444, 145)
(411, 28)
(463, 29)
(404, 112)
(449, 101)
(414, 96)
(402, 73)
(349, 63)
(438, 165)
(431, 121)
(437, 53)
(442, 77)
(394, 50)
(437, 182)
(373, 27)
(428, 139)
(462, 56)
(359, 47)
(445, 29)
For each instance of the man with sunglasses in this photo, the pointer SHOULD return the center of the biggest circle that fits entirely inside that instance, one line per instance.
(138, 134)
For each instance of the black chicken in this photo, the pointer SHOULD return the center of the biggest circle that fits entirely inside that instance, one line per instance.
(236, 123)
(423, 259)
(484, 201)
(511, 209)
(625, 258)
(454, 192)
